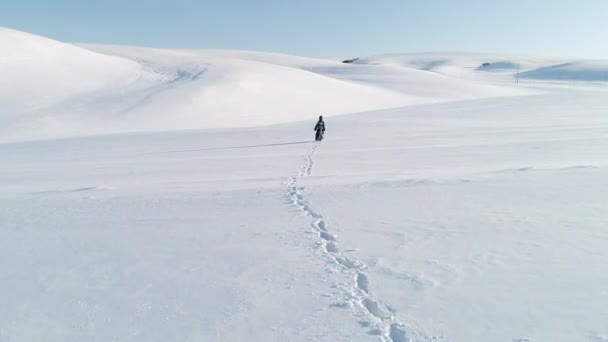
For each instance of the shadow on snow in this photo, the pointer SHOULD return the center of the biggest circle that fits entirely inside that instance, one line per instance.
(236, 147)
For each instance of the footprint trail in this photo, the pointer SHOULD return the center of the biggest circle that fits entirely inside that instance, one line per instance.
(357, 295)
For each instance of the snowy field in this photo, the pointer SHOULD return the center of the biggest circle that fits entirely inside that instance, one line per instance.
(176, 195)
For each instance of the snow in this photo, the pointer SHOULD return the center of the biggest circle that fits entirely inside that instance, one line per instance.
(572, 71)
(426, 214)
(497, 66)
(39, 72)
(459, 65)
(83, 90)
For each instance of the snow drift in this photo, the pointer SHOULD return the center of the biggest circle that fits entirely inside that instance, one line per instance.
(575, 71)
(38, 72)
(53, 89)
(476, 220)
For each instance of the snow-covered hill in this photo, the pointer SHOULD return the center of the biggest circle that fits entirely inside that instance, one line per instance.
(480, 220)
(38, 73)
(53, 89)
(573, 71)
(456, 205)
(473, 66)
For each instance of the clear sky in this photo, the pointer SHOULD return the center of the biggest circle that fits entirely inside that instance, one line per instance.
(325, 28)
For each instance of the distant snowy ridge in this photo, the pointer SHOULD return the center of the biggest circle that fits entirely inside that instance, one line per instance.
(51, 89)
(39, 72)
(575, 71)
(459, 64)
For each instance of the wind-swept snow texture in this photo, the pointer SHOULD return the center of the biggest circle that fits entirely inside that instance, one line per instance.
(455, 205)
(574, 71)
(51, 89)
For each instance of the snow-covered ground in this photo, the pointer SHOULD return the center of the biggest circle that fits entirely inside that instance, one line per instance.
(455, 205)
(51, 89)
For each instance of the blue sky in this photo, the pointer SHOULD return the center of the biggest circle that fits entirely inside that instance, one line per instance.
(325, 28)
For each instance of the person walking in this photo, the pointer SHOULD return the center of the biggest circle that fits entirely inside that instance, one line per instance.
(320, 129)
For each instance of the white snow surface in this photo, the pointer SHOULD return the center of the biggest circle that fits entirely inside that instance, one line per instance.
(51, 89)
(454, 205)
(572, 71)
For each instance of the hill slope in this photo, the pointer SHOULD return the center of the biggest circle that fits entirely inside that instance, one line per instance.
(53, 89)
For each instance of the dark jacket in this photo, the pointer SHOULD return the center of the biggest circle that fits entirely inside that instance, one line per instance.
(320, 126)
